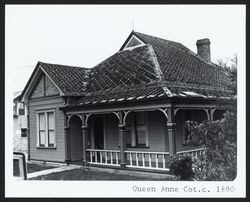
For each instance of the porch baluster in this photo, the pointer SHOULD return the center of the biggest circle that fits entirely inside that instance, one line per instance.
(156, 160)
(163, 161)
(143, 160)
(106, 158)
(130, 159)
(100, 157)
(116, 156)
(136, 157)
(91, 156)
(149, 160)
(111, 157)
(95, 156)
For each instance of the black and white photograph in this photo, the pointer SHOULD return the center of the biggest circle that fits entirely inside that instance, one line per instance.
(125, 101)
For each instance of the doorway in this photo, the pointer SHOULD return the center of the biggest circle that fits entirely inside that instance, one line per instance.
(98, 132)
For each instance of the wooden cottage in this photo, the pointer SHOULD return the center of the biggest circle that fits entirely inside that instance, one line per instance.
(129, 110)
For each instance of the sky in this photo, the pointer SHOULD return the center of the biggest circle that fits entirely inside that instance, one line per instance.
(85, 35)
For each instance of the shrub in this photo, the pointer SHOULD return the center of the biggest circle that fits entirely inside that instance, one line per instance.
(181, 167)
(218, 161)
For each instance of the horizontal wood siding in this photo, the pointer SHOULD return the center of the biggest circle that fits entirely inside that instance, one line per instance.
(111, 131)
(57, 154)
(156, 132)
(157, 135)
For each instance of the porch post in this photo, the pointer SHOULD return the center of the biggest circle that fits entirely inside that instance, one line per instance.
(122, 144)
(67, 144)
(84, 144)
(171, 138)
(171, 131)
(122, 134)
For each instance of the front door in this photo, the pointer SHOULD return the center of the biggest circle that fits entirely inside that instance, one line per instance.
(98, 133)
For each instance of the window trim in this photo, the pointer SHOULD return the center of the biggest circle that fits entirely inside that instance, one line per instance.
(45, 112)
(133, 128)
(22, 132)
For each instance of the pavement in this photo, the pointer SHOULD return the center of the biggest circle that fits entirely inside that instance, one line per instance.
(53, 170)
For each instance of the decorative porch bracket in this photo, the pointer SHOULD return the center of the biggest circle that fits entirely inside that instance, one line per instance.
(169, 114)
(210, 113)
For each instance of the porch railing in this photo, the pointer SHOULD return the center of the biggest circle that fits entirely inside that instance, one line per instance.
(194, 153)
(147, 160)
(104, 157)
(139, 159)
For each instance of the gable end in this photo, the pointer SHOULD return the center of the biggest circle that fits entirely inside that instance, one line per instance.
(44, 87)
(133, 42)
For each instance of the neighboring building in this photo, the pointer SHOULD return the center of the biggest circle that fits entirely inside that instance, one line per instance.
(20, 124)
(129, 110)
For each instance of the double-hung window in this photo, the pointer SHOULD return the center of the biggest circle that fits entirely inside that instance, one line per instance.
(137, 130)
(46, 129)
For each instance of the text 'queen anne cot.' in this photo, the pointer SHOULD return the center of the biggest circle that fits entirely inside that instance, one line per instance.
(129, 110)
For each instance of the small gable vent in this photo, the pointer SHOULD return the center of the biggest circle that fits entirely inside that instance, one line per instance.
(133, 42)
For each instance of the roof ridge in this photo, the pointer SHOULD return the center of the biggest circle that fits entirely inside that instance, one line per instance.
(154, 37)
(157, 67)
(46, 63)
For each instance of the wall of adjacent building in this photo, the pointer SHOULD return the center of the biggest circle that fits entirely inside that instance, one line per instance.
(20, 143)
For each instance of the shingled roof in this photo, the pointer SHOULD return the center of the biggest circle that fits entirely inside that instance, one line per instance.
(156, 68)
(180, 65)
(159, 68)
(71, 80)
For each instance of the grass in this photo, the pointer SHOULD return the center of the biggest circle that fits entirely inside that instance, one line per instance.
(31, 167)
(78, 174)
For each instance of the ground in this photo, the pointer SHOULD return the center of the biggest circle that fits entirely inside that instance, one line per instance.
(31, 167)
(78, 174)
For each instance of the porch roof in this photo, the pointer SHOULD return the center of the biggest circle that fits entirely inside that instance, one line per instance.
(148, 92)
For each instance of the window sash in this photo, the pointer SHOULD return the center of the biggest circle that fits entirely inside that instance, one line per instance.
(138, 131)
(46, 129)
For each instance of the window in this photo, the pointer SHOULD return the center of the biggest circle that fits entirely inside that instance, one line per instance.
(137, 131)
(21, 110)
(46, 129)
(23, 132)
(14, 108)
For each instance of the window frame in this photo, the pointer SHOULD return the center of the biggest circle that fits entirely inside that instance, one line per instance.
(132, 129)
(47, 145)
(24, 132)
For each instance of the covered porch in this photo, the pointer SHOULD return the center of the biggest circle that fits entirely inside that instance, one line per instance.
(139, 137)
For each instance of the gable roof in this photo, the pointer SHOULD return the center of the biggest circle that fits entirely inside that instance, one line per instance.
(71, 80)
